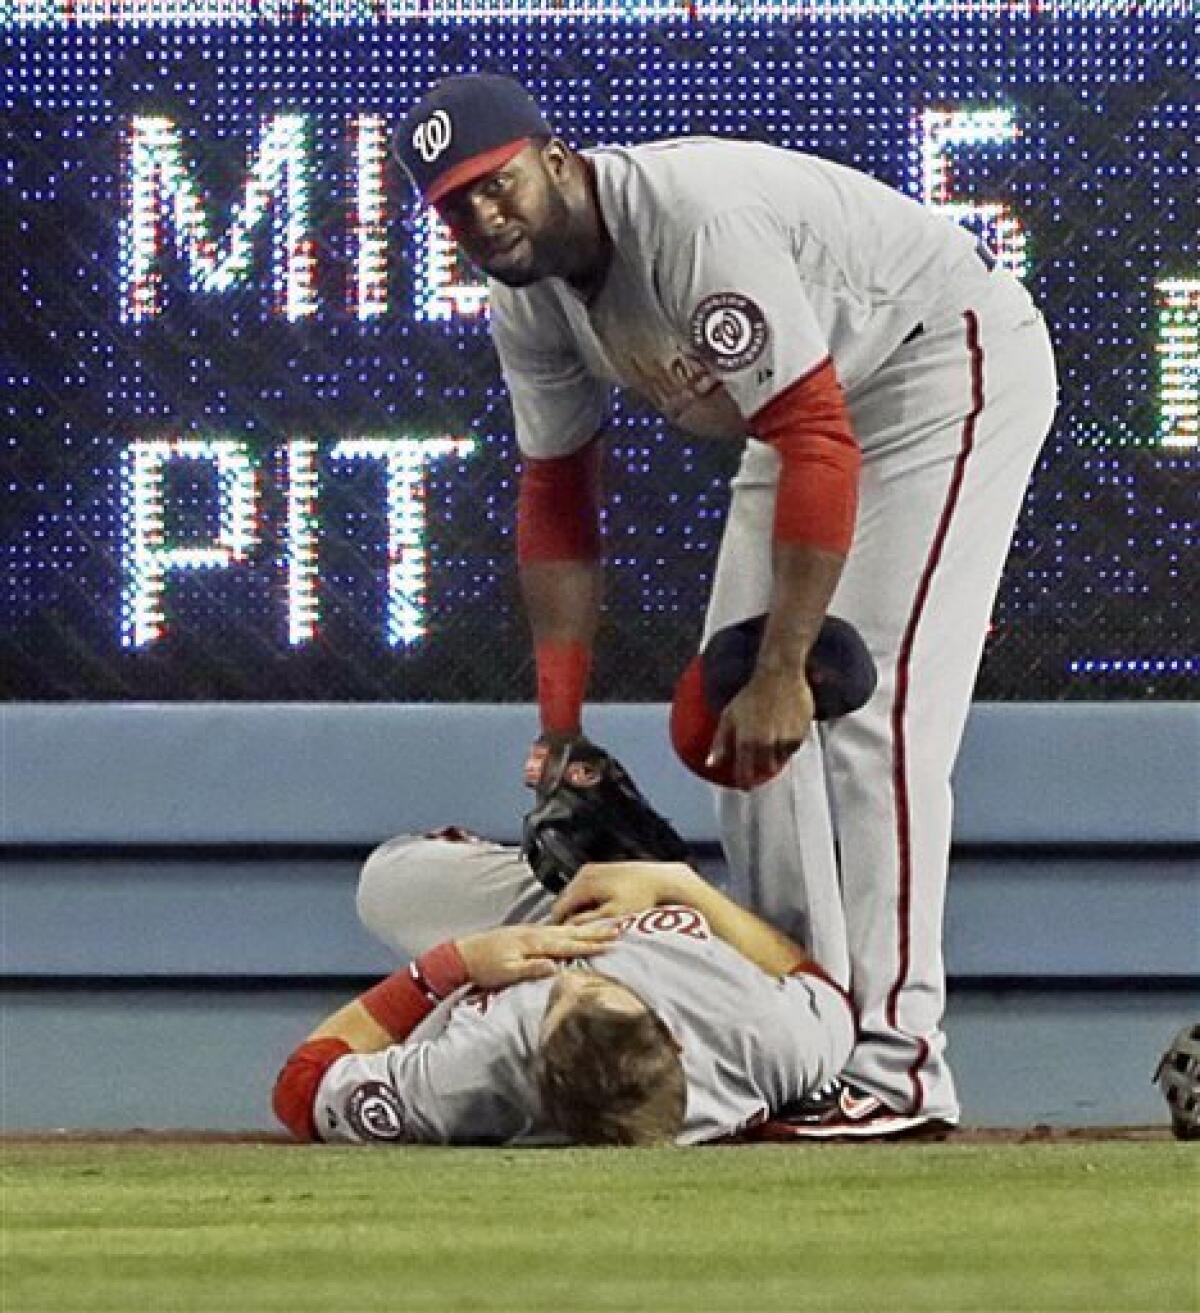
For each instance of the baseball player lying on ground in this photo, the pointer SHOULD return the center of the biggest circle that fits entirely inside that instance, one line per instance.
(645, 1007)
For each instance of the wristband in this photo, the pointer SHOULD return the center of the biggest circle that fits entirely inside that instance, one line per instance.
(440, 971)
(408, 996)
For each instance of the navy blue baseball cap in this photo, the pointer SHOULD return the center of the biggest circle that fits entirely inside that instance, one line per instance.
(840, 670)
(464, 128)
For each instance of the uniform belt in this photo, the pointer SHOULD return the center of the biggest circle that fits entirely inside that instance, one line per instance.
(987, 256)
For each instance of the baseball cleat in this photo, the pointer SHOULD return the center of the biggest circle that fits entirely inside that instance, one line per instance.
(841, 1111)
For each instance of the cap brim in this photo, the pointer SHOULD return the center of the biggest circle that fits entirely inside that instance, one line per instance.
(693, 722)
(476, 167)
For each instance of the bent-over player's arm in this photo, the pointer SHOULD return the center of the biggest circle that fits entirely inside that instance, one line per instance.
(808, 425)
(732, 285)
(616, 889)
(390, 1011)
(559, 410)
(561, 577)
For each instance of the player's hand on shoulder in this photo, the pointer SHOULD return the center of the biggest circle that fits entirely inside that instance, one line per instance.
(510, 954)
(610, 890)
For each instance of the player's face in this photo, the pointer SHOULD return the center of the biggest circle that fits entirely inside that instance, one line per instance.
(572, 987)
(513, 223)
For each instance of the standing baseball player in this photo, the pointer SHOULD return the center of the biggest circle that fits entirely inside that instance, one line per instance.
(892, 387)
(652, 1010)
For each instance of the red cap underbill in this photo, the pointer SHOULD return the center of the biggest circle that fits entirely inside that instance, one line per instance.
(477, 166)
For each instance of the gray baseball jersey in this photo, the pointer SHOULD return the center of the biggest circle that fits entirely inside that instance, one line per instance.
(736, 269)
(750, 1043)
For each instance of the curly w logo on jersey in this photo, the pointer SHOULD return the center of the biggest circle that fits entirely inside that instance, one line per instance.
(730, 330)
(374, 1110)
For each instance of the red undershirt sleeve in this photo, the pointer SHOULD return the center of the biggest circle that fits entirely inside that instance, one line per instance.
(558, 520)
(558, 507)
(809, 425)
(399, 1004)
(296, 1086)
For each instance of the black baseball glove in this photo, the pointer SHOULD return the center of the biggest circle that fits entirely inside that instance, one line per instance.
(588, 809)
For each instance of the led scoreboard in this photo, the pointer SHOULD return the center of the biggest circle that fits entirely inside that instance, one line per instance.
(255, 443)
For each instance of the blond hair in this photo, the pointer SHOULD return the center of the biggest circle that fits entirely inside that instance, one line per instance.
(607, 1076)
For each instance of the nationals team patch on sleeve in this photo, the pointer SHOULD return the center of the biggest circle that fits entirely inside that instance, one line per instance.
(375, 1113)
(729, 330)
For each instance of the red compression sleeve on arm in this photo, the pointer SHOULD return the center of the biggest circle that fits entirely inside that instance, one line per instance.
(398, 1004)
(809, 426)
(296, 1085)
(408, 996)
(558, 519)
(562, 676)
(558, 507)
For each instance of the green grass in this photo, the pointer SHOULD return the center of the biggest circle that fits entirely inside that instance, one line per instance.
(883, 1229)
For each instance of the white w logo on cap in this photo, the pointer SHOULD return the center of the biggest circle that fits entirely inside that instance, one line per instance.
(433, 136)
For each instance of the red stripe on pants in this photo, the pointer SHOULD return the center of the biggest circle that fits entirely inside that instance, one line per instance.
(900, 705)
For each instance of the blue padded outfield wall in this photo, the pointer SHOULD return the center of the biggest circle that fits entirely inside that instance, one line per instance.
(178, 892)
